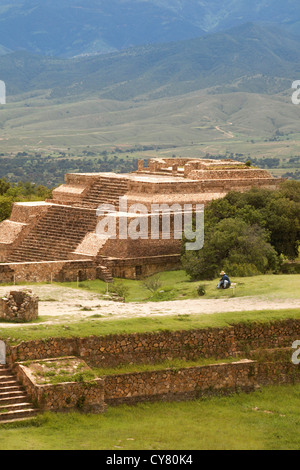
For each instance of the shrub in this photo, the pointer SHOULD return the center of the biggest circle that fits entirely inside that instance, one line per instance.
(241, 269)
(201, 291)
(120, 289)
(153, 283)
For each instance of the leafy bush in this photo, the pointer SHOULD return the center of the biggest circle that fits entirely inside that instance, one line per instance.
(120, 288)
(201, 291)
(241, 269)
(153, 283)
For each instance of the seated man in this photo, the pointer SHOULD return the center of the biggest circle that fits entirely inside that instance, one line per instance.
(224, 281)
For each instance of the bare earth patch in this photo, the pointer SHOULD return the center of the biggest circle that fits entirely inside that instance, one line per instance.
(62, 303)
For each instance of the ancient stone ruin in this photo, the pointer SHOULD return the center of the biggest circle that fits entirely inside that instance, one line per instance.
(19, 306)
(56, 240)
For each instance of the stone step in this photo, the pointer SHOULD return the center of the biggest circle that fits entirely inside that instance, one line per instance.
(7, 384)
(56, 235)
(11, 388)
(14, 403)
(10, 416)
(17, 420)
(15, 407)
(5, 372)
(17, 398)
(10, 393)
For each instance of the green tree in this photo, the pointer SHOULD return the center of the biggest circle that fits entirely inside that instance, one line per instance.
(234, 245)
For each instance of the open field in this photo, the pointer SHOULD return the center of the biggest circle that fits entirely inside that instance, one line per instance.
(268, 419)
(176, 285)
(65, 310)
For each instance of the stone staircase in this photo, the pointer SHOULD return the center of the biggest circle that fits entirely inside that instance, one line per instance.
(105, 191)
(14, 403)
(56, 235)
(106, 274)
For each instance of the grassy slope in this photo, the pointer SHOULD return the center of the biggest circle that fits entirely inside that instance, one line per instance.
(268, 419)
(38, 123)
(176, 285)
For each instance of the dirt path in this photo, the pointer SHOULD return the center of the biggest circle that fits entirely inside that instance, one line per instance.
(58, 304)
(227, 133)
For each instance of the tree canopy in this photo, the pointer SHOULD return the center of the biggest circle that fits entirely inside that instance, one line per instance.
(248, 233)
(10, 193)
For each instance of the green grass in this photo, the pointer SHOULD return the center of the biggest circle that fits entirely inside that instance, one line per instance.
(57, 376)
(171, 364)
(268, 419)
(176, 285)
(101, 327)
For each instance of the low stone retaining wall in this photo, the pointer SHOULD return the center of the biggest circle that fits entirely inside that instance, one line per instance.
(112, 350)
(267, 346)
(162, 385)
(194, 382)
(85, 396)
(277, 334)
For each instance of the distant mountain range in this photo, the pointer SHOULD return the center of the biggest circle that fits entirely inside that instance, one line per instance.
(68, 28)
(249, 58)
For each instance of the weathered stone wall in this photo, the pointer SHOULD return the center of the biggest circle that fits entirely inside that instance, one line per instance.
(163, 385)
(48, 271)
(19, 306)
(136, 268)
(112, 350)
(85, 396)
(137, 348)
(234, 174)
(277, 334)
(264, 366)
(193, 382)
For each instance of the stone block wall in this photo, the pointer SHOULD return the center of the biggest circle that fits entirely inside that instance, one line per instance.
(112, 350)
(19, 306)
(277, 334)
(137, 268)
(193, 382)
(182, 384)
(233, 174)
(48, 271)
(267, 347)
(84, 396)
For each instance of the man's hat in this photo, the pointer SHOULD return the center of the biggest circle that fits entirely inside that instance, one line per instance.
(222, 273)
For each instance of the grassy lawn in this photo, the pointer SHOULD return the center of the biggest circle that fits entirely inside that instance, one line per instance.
(176, 285)
(101, 327)
(268, 419)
